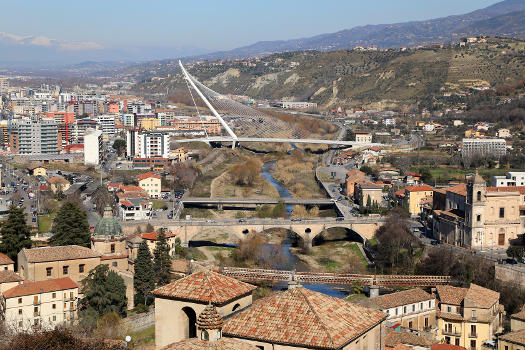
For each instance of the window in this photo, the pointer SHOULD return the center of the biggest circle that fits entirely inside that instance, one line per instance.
(456, 342)
(54, 317)
(478, 218)
(65, 269)
(205, 335)
(54, 295)
(410, 324)
(473, 344)
(81, 268)
(473, 313)
(71, 295)
(413, 308)
(54, 306)
(421, 306)
(20, 300)
(397, 311)
(20, 324)
(426, 322)
(449, 309)
(20, 311)
(114, 263)
(478, 196)
(501, 212)
(112, 247)
(404, 309)
(429, 303)
(473, 330)
(71, 305)
(49, 270)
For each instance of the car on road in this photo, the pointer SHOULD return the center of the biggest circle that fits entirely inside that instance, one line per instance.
(339, 219)
(296, 219)
(170, 216)
(211, 221)
(511, 261)
(33, 219)
(242, 220)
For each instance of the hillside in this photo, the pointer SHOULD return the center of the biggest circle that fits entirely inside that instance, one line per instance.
(354, 78)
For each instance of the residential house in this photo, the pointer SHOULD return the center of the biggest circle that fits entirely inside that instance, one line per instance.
(416, 196)
(134, 208)
(515, 339)
(363, 136)
(513, 178)
(151, 240)
(37, 170)
(8, 280)
(6, 263)
(353, 177)
(58, 184)
(151, 183)
(370, 192)
(413, 309)
(468, 317)
(406, 340)
(46, 304)
(503, 133)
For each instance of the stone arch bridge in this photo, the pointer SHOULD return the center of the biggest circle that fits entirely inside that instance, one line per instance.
(306, 229)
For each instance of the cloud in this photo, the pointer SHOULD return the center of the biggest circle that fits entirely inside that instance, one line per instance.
(32, 40)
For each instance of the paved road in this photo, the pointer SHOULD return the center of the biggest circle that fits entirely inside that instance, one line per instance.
(19, 177)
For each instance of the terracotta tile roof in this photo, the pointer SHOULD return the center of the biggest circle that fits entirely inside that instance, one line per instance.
(370, 186)
(394, 338)
(126, 203)
(303, 318)
(460, 189)
(111, 257)
(400, 193)
(520, 189)
(519, 315)
(405, 297)
(451, 295)
(355, 172)
(148, 175)
(4, 259)
(447, 347)
(152, 236)
(67, 252)
(449, 316)
(205, 286)
(517, 337)
(221, 344)
(30, 288)
(131, 188)
(9, 276)
(482, 297)
(402, 347)
(132, 194)
(35, 166)
(57, 180)
(419, 188)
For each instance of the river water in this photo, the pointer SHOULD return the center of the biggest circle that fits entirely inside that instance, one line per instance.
(289, 260)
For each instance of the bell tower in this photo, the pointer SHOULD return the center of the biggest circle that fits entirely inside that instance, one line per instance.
(474, 211)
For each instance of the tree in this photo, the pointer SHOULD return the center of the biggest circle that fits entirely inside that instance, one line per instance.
(162, 260)
(120, 146)
(357, 287)
(144, 280)
(515, 252)
(104, 291)
(70, 226)
(279, 210)
(16, 235)
(367, 170)
(102, 198)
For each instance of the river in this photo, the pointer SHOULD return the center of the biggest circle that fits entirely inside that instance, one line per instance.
(291, 261)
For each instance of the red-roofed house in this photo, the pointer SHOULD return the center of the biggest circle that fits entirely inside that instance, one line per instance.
(151, 240)
(6, 263)
(151, 183)
(73, 148)
(45, 304)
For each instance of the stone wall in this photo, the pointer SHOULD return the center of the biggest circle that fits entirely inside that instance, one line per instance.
(140, 321)
(510, 274)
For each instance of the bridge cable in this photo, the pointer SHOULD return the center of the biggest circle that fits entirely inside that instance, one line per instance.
(197, 109)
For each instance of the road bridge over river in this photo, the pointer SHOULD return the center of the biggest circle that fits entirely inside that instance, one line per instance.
(229, 201)
(306, 229)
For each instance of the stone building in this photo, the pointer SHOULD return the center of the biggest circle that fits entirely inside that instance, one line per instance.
(476, 216)
(515, 339)
(109, 241)
(6, 263)
(177, 304)
(44, 263)
(468, 317)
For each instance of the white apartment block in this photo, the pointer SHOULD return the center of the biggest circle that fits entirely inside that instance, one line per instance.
(45, 304)
(93, 147)
(128, 120)
(107, 124)
(513, 178)
(483, 147)
(154, 144)
(38, 137)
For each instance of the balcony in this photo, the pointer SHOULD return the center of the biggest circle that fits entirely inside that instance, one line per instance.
(452, 333)
(473, 335)
(36, 314)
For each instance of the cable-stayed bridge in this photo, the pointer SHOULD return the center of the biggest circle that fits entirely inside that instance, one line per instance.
(247, 124)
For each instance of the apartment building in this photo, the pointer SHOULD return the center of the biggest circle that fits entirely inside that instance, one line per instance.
(43, 304)
(483, 147)
(132, 143)
(468, 317)
(93, 147)
(107, 124)
(416, 197)
(38, 136)
(151, 183)
(148, 123)
(154, 144)
(80, 127)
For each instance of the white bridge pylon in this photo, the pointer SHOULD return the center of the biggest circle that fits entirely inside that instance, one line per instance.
(254, 122)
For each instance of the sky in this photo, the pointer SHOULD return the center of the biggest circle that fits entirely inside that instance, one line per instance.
(157, 28)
